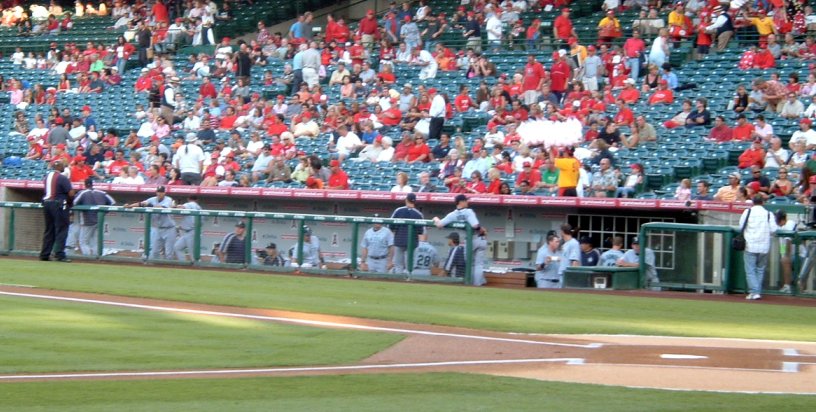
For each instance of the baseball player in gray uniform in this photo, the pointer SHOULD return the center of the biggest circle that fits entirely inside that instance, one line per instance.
(88, 219)
(377, 249)
(479, 251)
(425, 257)
(311, 250)
(462, 214)
(185, 243)
(163, 228)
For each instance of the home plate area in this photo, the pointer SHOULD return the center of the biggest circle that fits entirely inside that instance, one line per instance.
(706, 364)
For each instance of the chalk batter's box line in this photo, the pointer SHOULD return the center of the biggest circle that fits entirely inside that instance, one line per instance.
(55, 376)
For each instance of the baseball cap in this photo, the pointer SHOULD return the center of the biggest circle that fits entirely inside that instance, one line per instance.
(453, 236)
(585, 239)
(735, 175)
(635, 240)
(307, 230)
(242, 225)
(334, 163)
(527, 164)
(191, 137)
(460, 198)
(271, 246)
(806, 121)
(432, 90)
(161, 189)
(86, 108)
(410, 197)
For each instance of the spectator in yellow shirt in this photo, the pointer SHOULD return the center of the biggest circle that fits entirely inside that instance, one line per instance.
(764, 25)
(568, 173)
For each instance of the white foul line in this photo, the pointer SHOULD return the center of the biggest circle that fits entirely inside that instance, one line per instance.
(300, 321)
(567, 361)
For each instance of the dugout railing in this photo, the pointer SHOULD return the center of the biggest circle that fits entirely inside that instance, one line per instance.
(700, 258)
(20, 217)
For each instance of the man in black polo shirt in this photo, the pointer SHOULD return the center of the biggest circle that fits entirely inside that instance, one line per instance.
(233, 247)
(56, 203)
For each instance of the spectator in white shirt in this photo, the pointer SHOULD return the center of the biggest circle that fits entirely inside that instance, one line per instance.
(424, 59)
(776, 156)
(192, 122)
(792, 108)
(387, 152)
(347, 143)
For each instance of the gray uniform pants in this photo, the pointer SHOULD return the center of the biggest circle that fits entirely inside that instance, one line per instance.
(184, 245)
(87, 240)
(377, 265)
(400, 259)
(162, 240)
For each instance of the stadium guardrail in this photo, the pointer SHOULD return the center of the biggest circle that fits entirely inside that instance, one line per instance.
(249, 219)
(700, 258)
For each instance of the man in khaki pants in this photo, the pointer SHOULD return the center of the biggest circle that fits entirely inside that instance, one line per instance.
(723, 27)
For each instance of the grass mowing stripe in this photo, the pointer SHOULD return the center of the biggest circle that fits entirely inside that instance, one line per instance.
(481, 308)
(397, 392)
(45, 336)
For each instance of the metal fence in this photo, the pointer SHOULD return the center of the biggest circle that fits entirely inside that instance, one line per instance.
(702, 259)
(125, 234)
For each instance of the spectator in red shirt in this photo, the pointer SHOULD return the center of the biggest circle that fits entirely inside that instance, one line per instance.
(663, 95)
(419, 152)
(562, 27)
(534, 74)
(368, 29)
(392, 116)
(338, 179)
(720, 132)
(528, 174)
(754, 155)
(559, 74)
(624, 115)
(463, 101)
(633, 49)
(207, 89)
(630, 94)
(743, 130)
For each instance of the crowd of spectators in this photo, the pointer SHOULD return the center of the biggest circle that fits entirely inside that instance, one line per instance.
(364, 63)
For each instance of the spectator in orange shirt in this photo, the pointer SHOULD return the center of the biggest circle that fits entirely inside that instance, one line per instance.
(743, 130)
(753, 156)
(529, 175)
(463, 101)
(624, 115)
(663, 95)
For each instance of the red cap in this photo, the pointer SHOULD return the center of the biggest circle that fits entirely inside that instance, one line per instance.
(305, 116)
(754, 186)
(461, 8)
(590, 48)
(334, 163)
(61, 146)
(281, 97)
(109, 155)
(370, 12)
(806, 121)
(225, 40)
(432, 90)
(311, 181)
(231, 154)
(86, 108)
(572, 40)
(663, 82)
(565, 10)
(256, 95)
(59, 120)
(528, 164)
(407, 18)
(79, 159)
(378, 139)
(214, 155)
(471, 14)
(154, 138)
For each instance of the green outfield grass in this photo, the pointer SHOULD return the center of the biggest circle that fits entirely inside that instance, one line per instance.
(484, 308)
(45, 336)
(403, 392)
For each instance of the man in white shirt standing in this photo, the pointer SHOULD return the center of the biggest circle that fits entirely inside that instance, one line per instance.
(347, 143)
(493, 25)
(436, 114)
(190, 160)
(759, 225)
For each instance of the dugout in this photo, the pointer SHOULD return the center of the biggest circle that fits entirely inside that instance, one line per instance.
(515, 224)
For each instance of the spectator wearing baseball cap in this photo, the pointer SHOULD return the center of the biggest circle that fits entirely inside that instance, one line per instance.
(338, 180)
(754, 155)
(728, 193)
(530, 175)
(589, 255)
